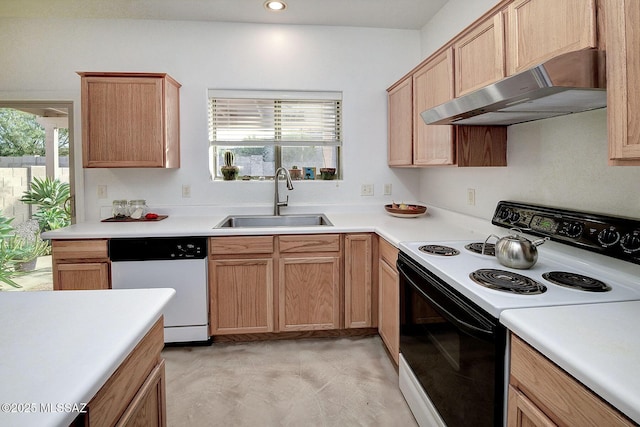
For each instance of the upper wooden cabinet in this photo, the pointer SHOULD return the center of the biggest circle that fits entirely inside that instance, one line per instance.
(433, 85)
(414, 143)
(622, 18)
(479, 56)
(541, 29)
(130, 120)
(400, 124)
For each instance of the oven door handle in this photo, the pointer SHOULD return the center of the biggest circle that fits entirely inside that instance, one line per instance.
(485, 333)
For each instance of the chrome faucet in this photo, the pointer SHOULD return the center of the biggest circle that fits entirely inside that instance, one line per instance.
(276, 200)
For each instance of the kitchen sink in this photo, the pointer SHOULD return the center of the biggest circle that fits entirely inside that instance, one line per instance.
(305, 220)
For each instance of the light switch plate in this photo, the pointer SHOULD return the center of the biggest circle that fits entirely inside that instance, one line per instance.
(366, 190)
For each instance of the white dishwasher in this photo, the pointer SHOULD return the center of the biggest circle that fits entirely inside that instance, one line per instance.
(167, 262)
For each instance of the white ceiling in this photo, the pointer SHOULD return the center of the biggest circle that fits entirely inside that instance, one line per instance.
(400, 14)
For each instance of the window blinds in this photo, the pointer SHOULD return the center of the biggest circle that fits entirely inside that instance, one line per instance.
(283, 118)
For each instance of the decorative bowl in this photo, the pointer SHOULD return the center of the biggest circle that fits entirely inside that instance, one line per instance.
(411, 211)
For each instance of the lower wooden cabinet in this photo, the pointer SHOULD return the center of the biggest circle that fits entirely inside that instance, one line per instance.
(135, 394)
(80, 264)
(358, 281)
(389, 299)
(309, 292)
(542, 394)
(241, 285)
(309, 282)
(287, 283)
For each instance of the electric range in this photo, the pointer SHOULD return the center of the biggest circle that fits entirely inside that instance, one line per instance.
(452, 293)
(456, 271)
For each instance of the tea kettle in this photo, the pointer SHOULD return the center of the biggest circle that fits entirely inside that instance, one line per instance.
(516, 251)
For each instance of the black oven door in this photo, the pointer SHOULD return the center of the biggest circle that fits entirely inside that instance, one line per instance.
(454, 348)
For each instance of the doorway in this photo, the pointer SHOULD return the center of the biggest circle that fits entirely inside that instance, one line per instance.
(37, 171)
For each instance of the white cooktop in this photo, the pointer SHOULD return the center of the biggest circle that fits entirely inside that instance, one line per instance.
(455, 271)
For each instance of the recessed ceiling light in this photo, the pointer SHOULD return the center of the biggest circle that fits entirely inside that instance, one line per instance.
(275, 6)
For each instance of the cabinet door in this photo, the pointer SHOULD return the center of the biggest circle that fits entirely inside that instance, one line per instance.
(357, 284)
(564, 399)
(479, 56)
(148, 406)
(241, 296)
(542, 29)
(523, 413)
(122, 122)
(130, 120)
(309, 293)
(433, 85)
(81, 276)
(389, 311)
(623, 80)
(400, 126)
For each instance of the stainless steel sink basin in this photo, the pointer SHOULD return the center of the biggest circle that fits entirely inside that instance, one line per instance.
(305, 220)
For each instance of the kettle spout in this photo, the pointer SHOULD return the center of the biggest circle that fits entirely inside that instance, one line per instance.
(540, 241)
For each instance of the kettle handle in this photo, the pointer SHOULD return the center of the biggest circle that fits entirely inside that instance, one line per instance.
(486, 240)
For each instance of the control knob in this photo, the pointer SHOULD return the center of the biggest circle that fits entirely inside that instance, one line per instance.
(574, 229)
(504, 214)
(630, 242)
(608, 237)
(514, 217)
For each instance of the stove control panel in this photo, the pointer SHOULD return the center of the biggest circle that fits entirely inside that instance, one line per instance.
(618, 237)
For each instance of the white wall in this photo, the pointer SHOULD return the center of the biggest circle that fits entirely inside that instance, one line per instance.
(40, 58)
(558, 162)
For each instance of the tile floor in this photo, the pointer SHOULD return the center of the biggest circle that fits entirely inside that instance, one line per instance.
(309, 382)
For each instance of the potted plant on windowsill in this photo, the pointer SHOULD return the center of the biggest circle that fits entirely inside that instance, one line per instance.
(295, 173)
(325, 172)
(229, 170)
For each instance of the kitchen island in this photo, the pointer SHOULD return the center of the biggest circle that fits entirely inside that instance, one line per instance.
(61, 348)
(597, 344)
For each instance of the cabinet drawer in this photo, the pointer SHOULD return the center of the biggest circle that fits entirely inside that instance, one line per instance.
(241, 245)
(80, 249)
(310, 243)
(388, 253)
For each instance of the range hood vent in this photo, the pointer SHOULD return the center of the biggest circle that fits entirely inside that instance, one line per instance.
(569, 83)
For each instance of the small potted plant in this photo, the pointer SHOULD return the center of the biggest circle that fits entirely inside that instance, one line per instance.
(229, 170)
(328, 173)
(325, 172)
(295, 173)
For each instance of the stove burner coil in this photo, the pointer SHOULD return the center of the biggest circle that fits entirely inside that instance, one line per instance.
(507, 281)
(476, 247)
(576, 281)
(439, 250)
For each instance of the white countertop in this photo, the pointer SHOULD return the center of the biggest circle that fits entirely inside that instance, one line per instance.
(61, 347)
(438, 224)
(580, 345)
(598, 344)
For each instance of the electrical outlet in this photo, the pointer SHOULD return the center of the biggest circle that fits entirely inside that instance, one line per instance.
(366, 190)
(471, 196)
(387, 189)
(186, 191)
(102, 191)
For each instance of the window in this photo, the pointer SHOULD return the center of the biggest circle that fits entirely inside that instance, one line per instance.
(269, 129)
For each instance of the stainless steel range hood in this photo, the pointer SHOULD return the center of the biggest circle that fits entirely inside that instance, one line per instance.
(569, 83)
